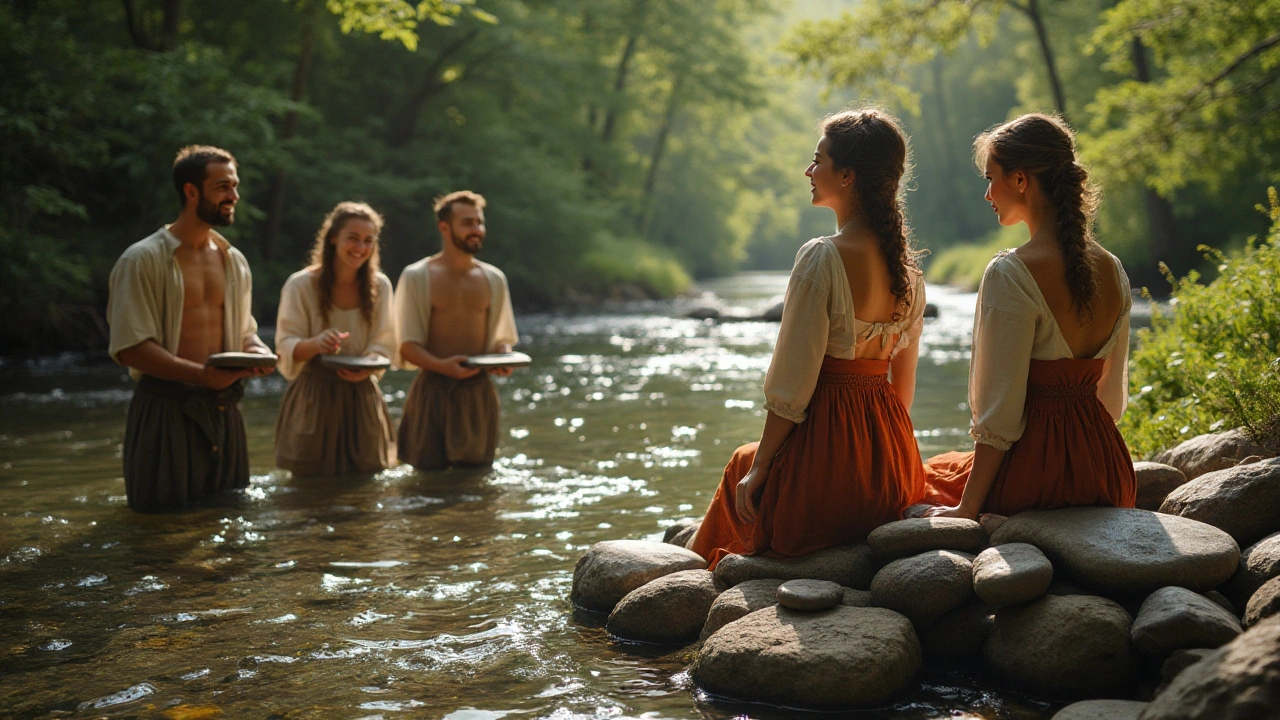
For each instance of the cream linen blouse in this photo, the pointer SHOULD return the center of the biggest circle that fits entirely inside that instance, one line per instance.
(818, 319)
(299, 318)
(1013, 326)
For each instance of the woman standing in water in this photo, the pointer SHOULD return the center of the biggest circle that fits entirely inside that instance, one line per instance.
(335, 421)
(838, 456)
(1048, 379)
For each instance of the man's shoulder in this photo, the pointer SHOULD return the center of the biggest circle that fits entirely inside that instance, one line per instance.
(416, 269)
(491, 270)
(158, 244)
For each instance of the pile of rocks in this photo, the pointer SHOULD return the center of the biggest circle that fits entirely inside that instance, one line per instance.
(1076, 603)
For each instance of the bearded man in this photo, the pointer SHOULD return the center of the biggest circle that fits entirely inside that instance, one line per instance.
(450, 306)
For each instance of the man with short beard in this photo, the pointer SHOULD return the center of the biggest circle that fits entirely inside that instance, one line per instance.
(176, 298)
(450, 306)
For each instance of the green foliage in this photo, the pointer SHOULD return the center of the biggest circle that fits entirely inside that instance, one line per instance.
(613, 261)
(1212, 361)
(963, 265)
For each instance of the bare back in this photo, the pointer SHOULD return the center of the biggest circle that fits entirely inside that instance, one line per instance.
(869, 284)
(203, 297)
(1047, 266)
(459, 310)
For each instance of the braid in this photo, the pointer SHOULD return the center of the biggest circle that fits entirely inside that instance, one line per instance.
(1074, 203)
(885, 213)
(325, 283)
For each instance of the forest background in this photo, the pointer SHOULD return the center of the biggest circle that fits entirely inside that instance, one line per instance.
(625, 146)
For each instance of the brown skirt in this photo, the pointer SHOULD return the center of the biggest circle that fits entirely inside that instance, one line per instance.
(1069, 454)
(183, 444)
(449, 422)
(851, 466)
(328, 426)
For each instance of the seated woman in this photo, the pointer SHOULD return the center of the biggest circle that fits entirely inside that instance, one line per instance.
(838, 455)
(1048, 377)
(335, 421)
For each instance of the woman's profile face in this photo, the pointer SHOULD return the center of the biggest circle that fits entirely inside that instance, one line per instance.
(1007, 197)
(827, 185)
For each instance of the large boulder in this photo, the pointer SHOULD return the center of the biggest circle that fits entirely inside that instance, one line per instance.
(924, 587)
(1126, 551)
(1264, 603)
(1172, 618)
(848, 565)
(957, 637)
(1011, 574)
(838, 658)
(1244, 501)
(1063, 646)
(1209, 453)
(1258, 563)
(738, 601)
(913, 536)
(1155, 481)
(1102, 710)
(611, 569)
(1238, 681)
(667, 610)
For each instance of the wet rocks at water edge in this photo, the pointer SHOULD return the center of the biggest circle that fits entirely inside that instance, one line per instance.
(1102, 710)
(1011, 574)
(916, 535)
(1243, 501)
(1155, 482)
(958, 637)
(924, 587)
(667, 610)
(611, 569)
(740, 600)
(809, 595)
(850, 566)
(1173, 618)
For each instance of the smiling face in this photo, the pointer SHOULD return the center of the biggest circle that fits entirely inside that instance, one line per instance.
(465, 228)
(354, 243)
(217, 197)
(1007, 193)
(829, 186)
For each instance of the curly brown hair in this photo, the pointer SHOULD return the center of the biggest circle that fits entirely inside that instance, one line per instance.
(872, 144)
(1044, 146)
(324, 251)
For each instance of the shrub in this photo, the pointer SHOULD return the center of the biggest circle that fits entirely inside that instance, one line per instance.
(634, 261)
(962, 265)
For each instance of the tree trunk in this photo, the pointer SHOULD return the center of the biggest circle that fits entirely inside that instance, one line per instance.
(620, 75)
(1032, 11)
(140, 30)
(659, 148)
(405, 121)
(1165, 244)
(169, 28)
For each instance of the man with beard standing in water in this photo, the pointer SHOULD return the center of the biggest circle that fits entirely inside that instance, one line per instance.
(176, 298)
(450, 306)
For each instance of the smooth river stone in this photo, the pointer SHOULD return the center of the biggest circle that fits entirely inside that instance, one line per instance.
(1155, 482)
(848, 565)
(676, 528)
(738, 601)
(1238, 681)
(957, 638)
(1264, 603)
(1011, 574)
(1258, 563)
(1102, 710)
(913, 536)
(667, 610)
(1126, 551)
(924, 587)
(809, 595)
(611, 569)
(1212, 452)
(1172, 618)
(1243, 500)
(837, 658)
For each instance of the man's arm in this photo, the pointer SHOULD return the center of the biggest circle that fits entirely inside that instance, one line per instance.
(450, 367)
(149, 358)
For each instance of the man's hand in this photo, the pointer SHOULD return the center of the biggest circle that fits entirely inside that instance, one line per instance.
(502, 371)
(353, 376)
(221, 378)
(453, 367)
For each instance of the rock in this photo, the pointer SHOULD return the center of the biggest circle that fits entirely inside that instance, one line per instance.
(611, 569)
(924, 587)
(1264, 603)
(1242, 500)
(1102, 710)
(668, 610)
(1126, 551)
(1180, 660)
(991, 522)
(848, 565)
(957, 637)
(1173, 617)
(837, 658)
(904, 538)
(856, 598)
(685, 537)
(675, 529)
(930, 310)
(1155, 481)
(1222, 602)
(1065, 587)
(773, 313)
(1011, 574)
(702, 312)
(1258, 563)
(1209, 453)
(1238, 681)
(1063, 646)
(809, 595)
(738, 601)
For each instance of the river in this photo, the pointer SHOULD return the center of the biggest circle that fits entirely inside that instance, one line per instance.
(439, 595)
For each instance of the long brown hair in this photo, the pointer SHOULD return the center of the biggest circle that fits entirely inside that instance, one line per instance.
(871, 143)
(1044, 146)
(324, 251)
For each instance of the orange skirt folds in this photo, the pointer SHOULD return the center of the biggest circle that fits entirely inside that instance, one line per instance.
(1069, 454)
(850, 467)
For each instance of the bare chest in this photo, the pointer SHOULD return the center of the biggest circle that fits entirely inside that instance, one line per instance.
(459, 294)
(203, 278)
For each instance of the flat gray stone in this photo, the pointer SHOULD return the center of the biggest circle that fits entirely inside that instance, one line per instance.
(738, 601)
(1074, 646)
(1242, 500)
(1258, 563)
(1212, 452)
(838, 658)
(1102, 710)
(1238, 681)
(856, 598)
(611, 569)
(1010, 574)
(1173, 618)
(1155, 481)
(924, 587)
(848, 565)
(1264, 603)
(809, 595)
(667, 610)
(1126, 551)
(904, 538)
(956, 639)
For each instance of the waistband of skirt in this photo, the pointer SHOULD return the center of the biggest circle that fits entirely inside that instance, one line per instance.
(859, 371)
(181, 391)
(1083, 390)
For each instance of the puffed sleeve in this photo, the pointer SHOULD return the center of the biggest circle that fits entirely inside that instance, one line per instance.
(1113, 386)
(802, 339)
(504, 329)
(293, 324)
(412, 310)
(382, 331)
(1004, 328)
(915, 319)
(133, 305)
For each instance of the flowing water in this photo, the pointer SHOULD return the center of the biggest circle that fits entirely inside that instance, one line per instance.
(440, 595)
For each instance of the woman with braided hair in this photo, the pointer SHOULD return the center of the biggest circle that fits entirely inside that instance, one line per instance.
(1048, 377)
(838, 455)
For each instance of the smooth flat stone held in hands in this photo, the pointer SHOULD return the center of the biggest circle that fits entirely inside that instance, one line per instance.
(1242, 500)
(1010, 574)
(667, 610)
(809, 595)
(1172, 618)
(355, 362)
(913, 536)
(241, 360)
(611, 569)
(498, 360)
(848, 565)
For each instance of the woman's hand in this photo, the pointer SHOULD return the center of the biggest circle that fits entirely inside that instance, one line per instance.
(353, 376)
(956, 511)
(747, 486)
(329, 342)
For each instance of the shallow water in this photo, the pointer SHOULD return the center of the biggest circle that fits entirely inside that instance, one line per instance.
(407, 594)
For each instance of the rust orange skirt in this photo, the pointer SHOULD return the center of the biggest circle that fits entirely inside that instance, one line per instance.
(1069, 454)
(851, 466)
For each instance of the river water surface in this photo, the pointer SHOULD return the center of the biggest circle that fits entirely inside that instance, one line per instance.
(439, 595)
